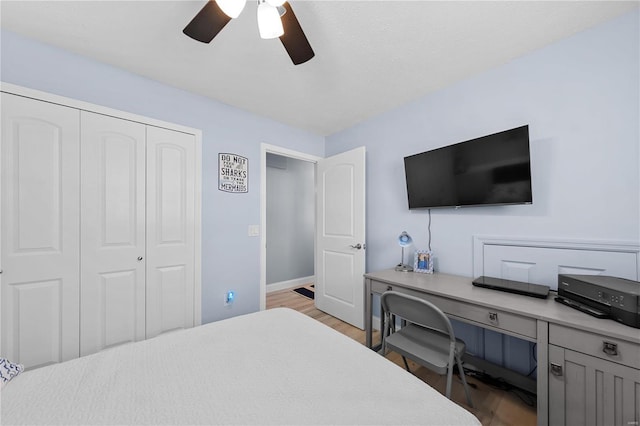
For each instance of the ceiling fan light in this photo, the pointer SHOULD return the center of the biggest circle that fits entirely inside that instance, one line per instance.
(269, 22)
(231, 8)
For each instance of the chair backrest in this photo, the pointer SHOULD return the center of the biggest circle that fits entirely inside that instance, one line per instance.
(417, 311)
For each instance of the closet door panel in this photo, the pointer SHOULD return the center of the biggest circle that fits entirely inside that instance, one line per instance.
(113, 232)
(39, 231)
(170, 230)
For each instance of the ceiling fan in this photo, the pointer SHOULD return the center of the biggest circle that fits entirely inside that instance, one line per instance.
(275, 19)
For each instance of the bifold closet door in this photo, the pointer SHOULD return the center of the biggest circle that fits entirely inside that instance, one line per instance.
(39, 231)
(112, 232)
(170, 230)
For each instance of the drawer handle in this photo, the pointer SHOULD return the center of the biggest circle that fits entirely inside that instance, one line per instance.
(556, 369)
(610, 348)
(493, 316)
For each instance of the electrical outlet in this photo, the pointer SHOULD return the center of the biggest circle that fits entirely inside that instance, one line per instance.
(254, 230)
(229, 298)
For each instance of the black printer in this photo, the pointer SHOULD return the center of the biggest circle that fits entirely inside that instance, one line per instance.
(602, 296)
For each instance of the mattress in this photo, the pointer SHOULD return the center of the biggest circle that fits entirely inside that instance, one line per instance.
(271, 367)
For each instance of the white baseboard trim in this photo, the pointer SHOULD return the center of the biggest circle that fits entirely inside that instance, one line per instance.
(283, 285)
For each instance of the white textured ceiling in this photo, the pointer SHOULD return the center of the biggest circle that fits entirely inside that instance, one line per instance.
(371, 56)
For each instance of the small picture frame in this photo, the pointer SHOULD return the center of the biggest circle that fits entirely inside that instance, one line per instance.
(423, 261)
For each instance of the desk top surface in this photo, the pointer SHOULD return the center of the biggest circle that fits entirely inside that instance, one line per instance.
(461, 288)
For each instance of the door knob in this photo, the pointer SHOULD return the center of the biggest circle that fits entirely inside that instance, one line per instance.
(357, 246)
(139, 258)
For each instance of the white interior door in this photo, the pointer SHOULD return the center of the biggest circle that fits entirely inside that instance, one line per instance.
(340, 236)
(170, 230)
(40, 225)
(112, 233)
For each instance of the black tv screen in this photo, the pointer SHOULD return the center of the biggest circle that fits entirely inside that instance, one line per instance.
(493, 169)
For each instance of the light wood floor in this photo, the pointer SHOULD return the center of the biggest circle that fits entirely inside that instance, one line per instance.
(494, 407)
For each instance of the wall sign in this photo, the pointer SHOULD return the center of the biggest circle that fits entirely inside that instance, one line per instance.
(234, 173)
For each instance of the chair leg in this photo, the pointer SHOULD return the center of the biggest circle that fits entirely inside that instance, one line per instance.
(449, 380)
(450, 373)
(386, 332)
(406, 364)
(464, 382)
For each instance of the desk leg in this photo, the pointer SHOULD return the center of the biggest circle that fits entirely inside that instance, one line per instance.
(368, 301)
(543, 373)
(378, 347)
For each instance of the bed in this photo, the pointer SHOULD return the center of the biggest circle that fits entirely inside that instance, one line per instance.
(271, 367)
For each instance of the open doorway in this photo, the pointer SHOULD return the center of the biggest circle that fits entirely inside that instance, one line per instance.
(340, 240)
(290, 222)
(287, 214)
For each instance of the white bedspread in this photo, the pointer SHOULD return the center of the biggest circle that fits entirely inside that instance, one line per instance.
(271, 367)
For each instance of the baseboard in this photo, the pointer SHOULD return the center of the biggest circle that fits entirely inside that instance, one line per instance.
(284, 285)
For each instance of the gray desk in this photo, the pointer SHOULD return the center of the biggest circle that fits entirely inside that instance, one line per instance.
(548, 323)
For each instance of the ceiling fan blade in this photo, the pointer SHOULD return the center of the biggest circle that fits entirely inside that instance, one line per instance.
(293, 39)
(207, 23)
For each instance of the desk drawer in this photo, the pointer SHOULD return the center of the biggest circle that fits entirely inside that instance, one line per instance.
(491, 318)
(600, 346)
(380, 287)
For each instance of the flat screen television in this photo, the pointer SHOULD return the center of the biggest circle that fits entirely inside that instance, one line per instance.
(490, 170)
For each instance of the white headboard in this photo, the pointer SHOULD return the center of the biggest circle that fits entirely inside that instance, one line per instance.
(539, 261)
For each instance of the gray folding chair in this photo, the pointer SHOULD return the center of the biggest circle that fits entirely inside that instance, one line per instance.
(427, 338)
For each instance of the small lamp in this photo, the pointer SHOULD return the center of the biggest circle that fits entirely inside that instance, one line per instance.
(404, 240)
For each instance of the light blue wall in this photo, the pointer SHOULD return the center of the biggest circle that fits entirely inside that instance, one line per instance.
(580, 97)
(230, 259)
(291, 201)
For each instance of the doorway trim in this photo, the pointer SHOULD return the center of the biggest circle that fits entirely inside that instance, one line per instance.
(285, 152)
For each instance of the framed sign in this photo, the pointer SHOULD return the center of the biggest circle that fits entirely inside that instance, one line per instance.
(233, 173)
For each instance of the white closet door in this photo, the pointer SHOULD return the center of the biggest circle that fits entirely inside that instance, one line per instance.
(112, 232)
(39, 232)
(170, 230)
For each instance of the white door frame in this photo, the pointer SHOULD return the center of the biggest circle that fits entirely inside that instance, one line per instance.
(272, 149)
